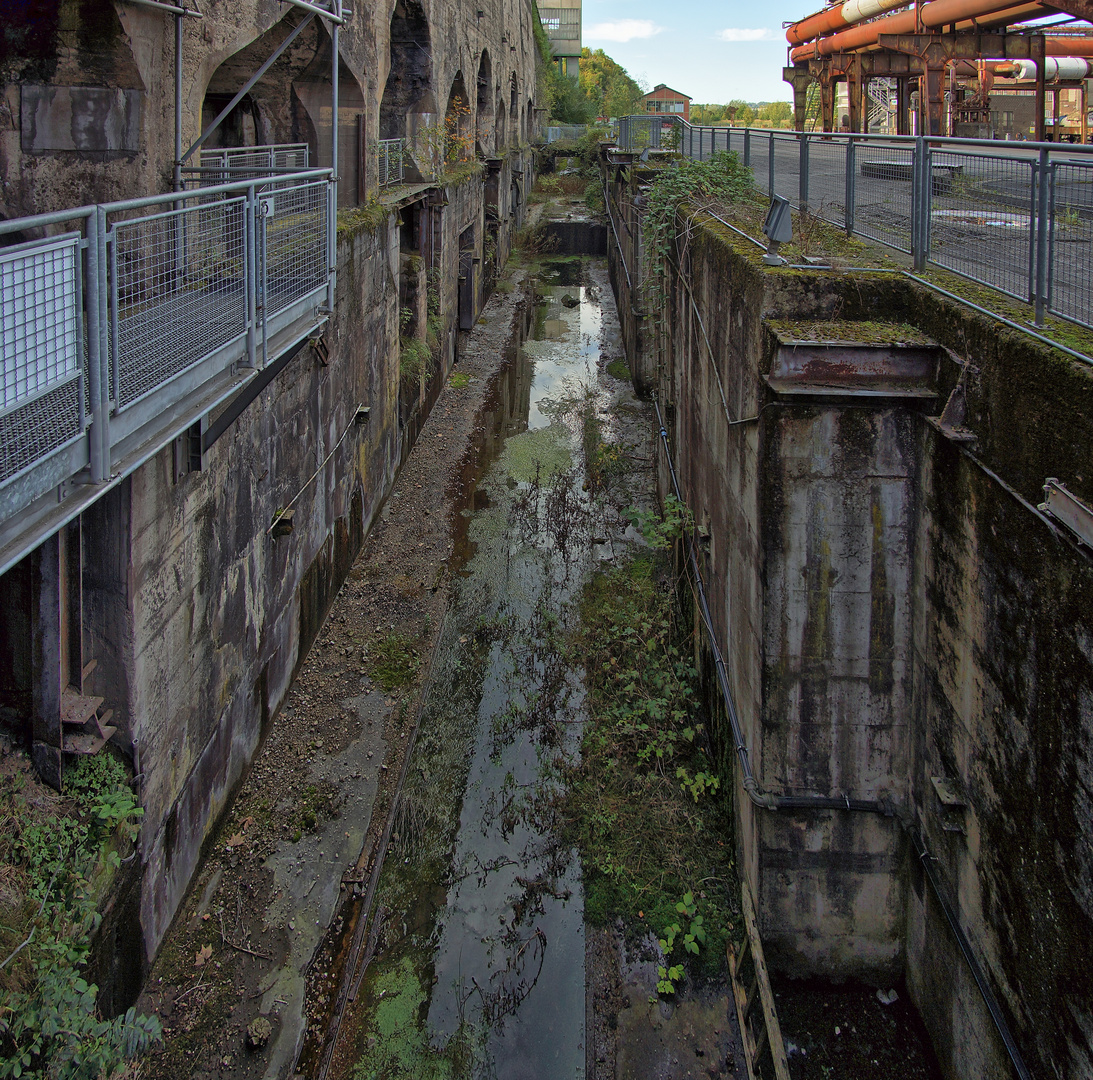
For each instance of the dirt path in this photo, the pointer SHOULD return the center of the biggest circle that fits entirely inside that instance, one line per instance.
(309, 814)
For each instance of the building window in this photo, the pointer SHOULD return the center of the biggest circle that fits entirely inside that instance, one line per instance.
(563, 23)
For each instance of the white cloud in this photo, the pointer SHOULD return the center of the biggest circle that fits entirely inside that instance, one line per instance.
(623, 30)
(734, 33)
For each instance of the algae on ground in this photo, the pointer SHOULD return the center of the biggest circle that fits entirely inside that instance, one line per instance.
(540, 453)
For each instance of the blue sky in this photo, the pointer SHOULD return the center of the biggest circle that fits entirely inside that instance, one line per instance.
(711, 51)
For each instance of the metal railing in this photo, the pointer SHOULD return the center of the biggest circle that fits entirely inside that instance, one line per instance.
(226, 164)
(559, 132)
(390, 161)
(123, 324)
(1017, 220)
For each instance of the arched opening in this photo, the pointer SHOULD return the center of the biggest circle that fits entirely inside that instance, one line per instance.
(407, 94)
(499, 124)
(514, 108)
(529, 115)
(483, 120)
(458, 138)
(291, 103)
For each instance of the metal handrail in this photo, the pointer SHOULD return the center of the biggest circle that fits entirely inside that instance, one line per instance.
(119, 329)
(1016, 219)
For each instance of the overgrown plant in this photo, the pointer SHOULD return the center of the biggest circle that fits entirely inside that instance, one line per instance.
(645, 840)
(55, 850)
(687, 186)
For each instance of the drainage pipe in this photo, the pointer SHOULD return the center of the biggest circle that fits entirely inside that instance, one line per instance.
(769, 801)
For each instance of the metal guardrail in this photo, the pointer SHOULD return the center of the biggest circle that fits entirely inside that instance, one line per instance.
(558, 132)
(390, 158)
(226, 164)
(1017, 220)
(113, 329)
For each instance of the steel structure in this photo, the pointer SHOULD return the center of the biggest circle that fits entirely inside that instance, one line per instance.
(919, 44)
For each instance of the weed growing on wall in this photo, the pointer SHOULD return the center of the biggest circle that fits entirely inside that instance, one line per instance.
(655, 845)
(58, 854)
(687, 185)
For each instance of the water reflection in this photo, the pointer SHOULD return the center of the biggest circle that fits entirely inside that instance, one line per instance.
(481, 971)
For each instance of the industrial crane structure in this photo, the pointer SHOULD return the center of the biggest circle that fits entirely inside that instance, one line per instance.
(944, 57)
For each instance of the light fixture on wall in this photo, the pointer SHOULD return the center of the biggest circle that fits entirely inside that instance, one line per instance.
(778, 228)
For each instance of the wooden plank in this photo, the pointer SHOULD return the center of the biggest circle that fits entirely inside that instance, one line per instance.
(770, 1015)
(740, 998)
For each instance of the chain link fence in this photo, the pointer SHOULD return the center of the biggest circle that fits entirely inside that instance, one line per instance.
(1019, 220)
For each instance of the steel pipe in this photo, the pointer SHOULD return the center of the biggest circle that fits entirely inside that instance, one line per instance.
(838, 17)
(929, 16)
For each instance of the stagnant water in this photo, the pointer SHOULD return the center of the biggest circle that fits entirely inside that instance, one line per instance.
(481, 971)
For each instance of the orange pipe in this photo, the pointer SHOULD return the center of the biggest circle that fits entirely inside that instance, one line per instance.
(838, 17)
(932, 15)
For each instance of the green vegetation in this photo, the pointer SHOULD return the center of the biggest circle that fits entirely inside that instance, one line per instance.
(645, 840)
(618, 369)
(357, 219)
(768, 114)
(414, 359)
(690, 184)
(607, 86)
(393, 661)
(59, 855)
(459, 381)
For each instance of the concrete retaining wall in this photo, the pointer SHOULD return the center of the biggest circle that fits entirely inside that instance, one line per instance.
(892, 608)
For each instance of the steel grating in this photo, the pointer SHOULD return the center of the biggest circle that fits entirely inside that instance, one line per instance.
(883, 190)
(981, 218)
(179, 285)
(1071, 247)
(41, 351)
(295, 245)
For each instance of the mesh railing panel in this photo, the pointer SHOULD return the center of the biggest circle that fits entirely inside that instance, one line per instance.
(759, 147)
(295, 245)
(827, 179)
(41, 352)
(1071, 284)
(33, 431)
(980, 219)
(882, 193)
(390, 161)
(180, 289)
(787, 167)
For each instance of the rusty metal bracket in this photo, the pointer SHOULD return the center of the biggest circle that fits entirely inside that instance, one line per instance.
(1068, 510)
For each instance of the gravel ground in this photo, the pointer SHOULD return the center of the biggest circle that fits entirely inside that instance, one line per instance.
(248, 945)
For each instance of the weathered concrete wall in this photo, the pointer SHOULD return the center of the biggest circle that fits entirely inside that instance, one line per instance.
(197, 614)
(892, 608)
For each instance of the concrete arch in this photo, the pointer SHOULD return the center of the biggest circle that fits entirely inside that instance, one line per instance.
(459, 121)
(408, 104)
(484, 107)
(499, 123)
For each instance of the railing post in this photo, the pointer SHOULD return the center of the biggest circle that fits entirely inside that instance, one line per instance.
(1043, 193)
(921, 195)
(851, 182)
(770, 163)
(747, 148)
(94, 365)
(250, 277)
(802, 178)
(102, 422)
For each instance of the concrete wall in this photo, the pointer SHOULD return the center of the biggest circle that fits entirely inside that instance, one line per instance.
(197, 614)
(892, 607)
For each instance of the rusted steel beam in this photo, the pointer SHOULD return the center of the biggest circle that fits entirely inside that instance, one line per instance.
(930, 16)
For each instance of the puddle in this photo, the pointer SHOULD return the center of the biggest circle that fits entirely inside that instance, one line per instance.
(478, 963)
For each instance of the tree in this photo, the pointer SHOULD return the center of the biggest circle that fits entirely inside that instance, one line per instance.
(745, 114)
(608, 87)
